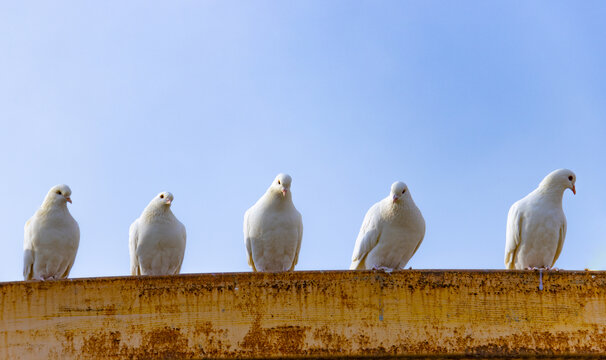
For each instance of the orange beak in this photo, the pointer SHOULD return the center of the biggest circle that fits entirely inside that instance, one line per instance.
(69, 200)
(574, 190)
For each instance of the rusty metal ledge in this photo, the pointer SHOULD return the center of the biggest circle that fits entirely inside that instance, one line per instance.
(318, 314)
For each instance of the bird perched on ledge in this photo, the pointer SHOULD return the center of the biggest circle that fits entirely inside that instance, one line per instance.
(273, 229)
(391, 232)
(157, 239)
(51, 238)
(536, 224)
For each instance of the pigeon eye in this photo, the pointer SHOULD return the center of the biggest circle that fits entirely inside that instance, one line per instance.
(58, 192)
(403, 191)
(162, 196)
(570, 178)
(279, 182)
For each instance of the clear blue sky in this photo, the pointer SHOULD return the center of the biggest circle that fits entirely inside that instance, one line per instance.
(471, 103)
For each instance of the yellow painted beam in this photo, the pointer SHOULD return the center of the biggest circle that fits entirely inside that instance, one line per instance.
(314, 314)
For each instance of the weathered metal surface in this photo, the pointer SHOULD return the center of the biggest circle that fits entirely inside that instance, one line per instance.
(316, 314)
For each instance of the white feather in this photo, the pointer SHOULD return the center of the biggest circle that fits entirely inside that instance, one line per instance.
(391, 232)
(51, 238)
(273, 229)
(536, 224)
(157, 239)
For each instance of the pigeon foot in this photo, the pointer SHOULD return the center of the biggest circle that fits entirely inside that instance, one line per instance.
(382, 268)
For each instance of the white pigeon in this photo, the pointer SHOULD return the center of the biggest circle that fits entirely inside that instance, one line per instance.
(391, 232)
(273, 229)
(51, 238)
(536, 224)
(157, 239)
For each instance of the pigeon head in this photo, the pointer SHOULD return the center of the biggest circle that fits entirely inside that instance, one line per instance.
(281, 185)
(561, 179)
(59, 194)
(163, 199)
(399, 190)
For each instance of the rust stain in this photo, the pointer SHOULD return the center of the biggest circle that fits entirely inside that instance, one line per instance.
(279, 340)
(163, 343)
(102, 343)
(331, 341)
(211, 341)
(316, 314)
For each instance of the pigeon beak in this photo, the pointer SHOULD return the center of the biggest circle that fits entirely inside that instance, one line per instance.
(68, 199)
(284, 192)
(574, 190)
(168, 201)
(395, 197)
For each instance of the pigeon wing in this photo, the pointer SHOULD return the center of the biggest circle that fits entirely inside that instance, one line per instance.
(247, 240)
(513, 236)
(133, 239)
(368, 237)
(560, 242)
(71, 261)
(28, 252)
(420, 241)
(184, 236)
(296, 259)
